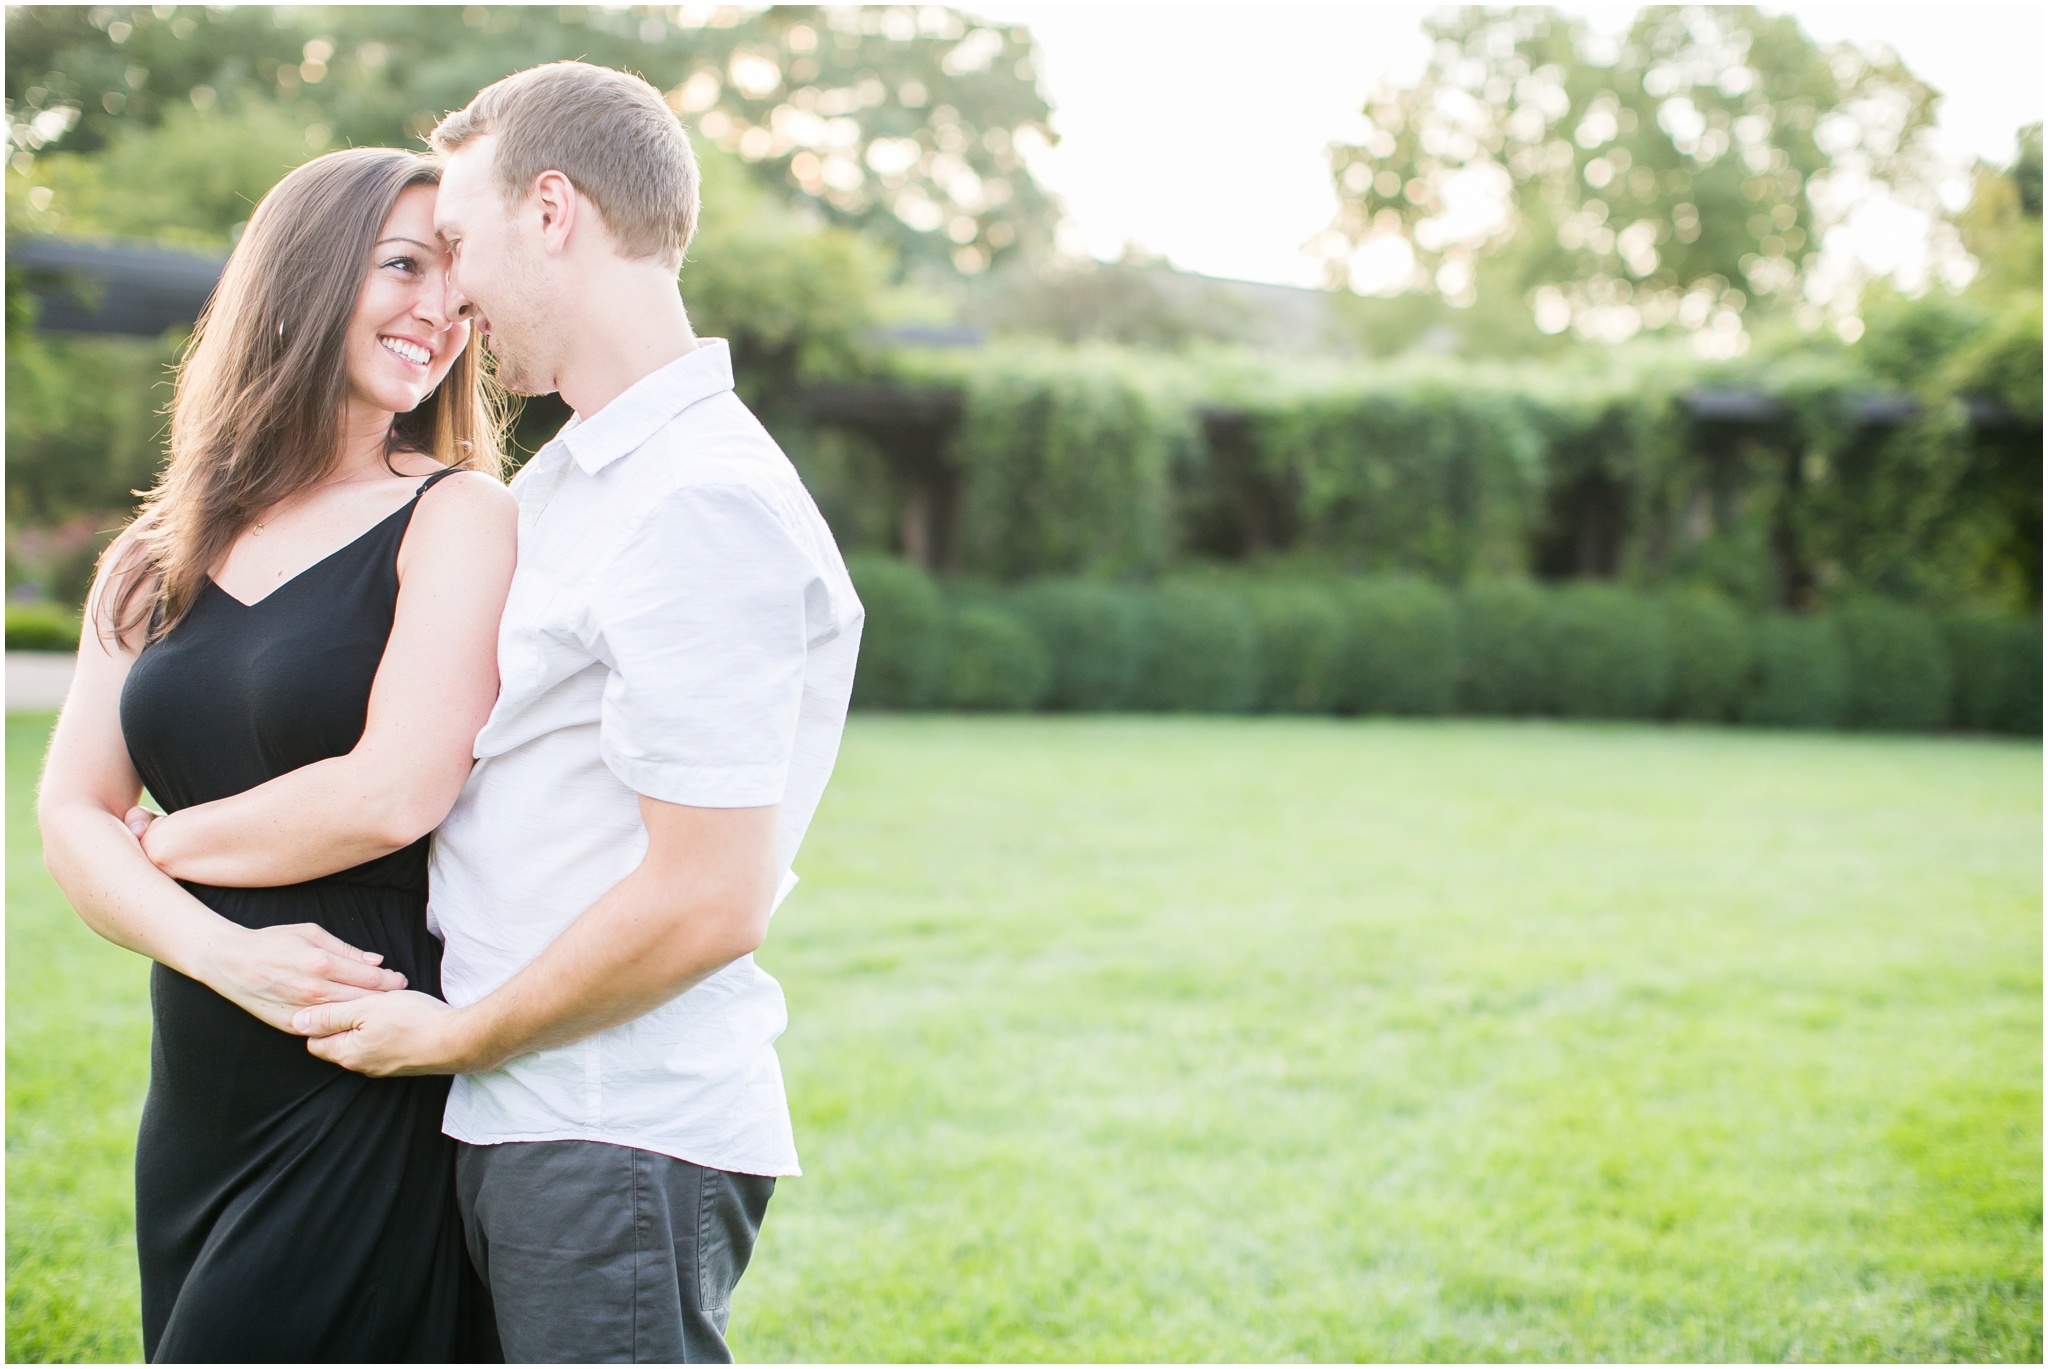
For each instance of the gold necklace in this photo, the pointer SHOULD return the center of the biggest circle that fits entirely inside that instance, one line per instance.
(256, 529)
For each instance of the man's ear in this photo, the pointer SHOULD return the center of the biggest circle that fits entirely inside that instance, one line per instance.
(559, 205)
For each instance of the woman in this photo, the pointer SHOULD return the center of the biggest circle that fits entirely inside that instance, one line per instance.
(293, 646)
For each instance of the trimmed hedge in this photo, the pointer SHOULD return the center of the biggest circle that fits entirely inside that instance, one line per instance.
(41, 627)
(994, 662)
(1503, 666)
(1801, 674)
(1609, 653)
(902, 652)
(1710, 655)
(1301, 642)
(1095, 635)
(1997, 669)
(1898, 667)
(1201, 652)
(1398, 645)
(1401, 655)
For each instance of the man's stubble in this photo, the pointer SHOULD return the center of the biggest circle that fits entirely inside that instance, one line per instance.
(518, 332)
(513, 375)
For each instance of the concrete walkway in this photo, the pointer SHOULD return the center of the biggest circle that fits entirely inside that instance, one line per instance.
(37, 680)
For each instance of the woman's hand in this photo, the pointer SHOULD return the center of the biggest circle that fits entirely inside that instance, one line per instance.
(158, 833)
(273, 972)
(92, 844)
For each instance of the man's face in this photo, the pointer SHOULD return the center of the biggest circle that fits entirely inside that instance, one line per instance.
(499, 268)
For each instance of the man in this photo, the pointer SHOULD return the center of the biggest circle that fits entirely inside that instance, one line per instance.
(675, 661)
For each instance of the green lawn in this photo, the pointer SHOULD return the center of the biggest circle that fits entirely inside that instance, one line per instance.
(1201, 1039)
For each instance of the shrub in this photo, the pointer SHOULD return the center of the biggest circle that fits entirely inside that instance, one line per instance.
(902, 647)
(2022, 713)
(1201, 652)
(1996, 663)
(994, 662)
(41, 627)
(1898, 667)
(1609, 653)
(1095, 636)
(1405, 467)
(1502, 668)
(1799, 675)
(1709, 655)
(1065, 457)
(1400, 649)
(1301, 647)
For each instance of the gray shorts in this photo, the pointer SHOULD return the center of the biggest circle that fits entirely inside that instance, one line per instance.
(596, 1253)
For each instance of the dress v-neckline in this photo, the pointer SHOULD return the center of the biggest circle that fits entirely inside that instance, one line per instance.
(303, 572)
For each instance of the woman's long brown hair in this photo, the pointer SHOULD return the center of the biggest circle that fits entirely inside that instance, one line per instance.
(257, 414)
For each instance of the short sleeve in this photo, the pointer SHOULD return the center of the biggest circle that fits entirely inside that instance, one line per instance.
(703, 622)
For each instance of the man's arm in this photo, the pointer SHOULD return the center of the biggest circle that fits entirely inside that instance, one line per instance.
(705, 617)
(698, 901)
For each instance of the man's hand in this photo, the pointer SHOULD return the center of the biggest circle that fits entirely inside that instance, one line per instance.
(698, 901)
(390, 1034)
(272, 972)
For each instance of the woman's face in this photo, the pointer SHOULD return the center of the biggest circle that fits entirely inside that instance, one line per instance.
(402, 340)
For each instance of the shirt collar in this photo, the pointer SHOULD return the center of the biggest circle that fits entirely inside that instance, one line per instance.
(651, 401)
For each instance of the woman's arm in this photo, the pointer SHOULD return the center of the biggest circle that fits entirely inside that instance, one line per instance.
(434, 689)
(88, 782)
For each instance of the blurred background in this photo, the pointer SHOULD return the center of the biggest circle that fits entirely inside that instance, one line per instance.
(1672, 366)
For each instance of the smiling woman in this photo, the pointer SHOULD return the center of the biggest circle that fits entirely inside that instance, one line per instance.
(296, 334)
(293, 647)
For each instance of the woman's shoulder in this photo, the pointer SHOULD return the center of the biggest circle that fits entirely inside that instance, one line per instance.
(486, 490)
(465, 504)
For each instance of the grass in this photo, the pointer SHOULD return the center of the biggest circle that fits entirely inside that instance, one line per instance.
(77, 1065)
(1198, 1039)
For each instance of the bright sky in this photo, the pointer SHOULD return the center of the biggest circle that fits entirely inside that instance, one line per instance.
(1198, 132)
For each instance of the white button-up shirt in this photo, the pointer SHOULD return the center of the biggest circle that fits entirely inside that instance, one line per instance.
(680, 626)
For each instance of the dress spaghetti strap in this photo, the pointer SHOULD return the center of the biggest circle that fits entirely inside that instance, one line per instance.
(434, 479)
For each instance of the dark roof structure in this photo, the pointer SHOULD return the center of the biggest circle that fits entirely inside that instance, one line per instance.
(135, 288)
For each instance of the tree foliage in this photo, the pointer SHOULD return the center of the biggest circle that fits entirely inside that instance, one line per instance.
(1107, 463)
(1668, 181)
(796, 297)
(1408, 467)
(1137, 300)
(904, 122)
(2002, 223)
(1066, 458)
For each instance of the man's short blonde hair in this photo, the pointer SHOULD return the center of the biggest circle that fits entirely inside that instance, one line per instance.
(608, 131)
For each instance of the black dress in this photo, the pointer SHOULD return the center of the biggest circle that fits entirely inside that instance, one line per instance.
(286, 1209)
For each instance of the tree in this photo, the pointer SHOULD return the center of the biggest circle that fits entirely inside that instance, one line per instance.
(2001, 225)
(1137, 300)
(904, 122)
(191, 178)
(1983, 341)
(1670, 180)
